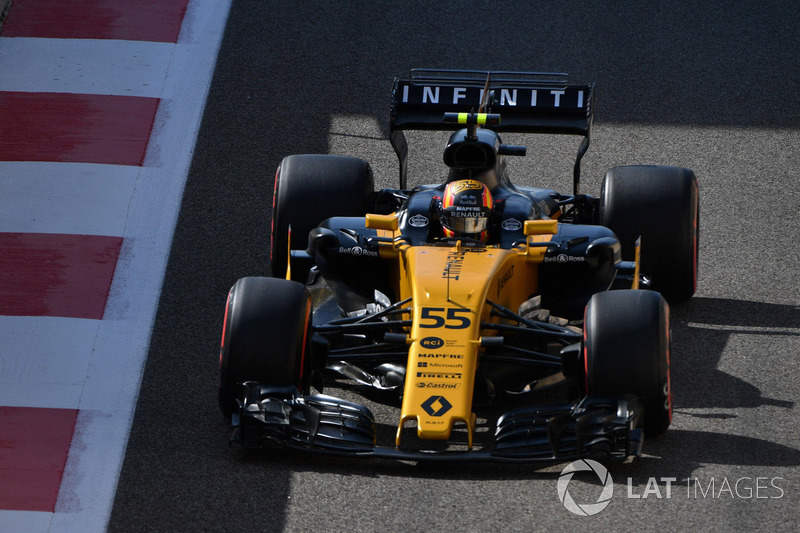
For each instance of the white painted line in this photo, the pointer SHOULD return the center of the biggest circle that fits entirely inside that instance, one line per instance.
(77, 198)
(44, 360)
(88, 66)
(27, 521)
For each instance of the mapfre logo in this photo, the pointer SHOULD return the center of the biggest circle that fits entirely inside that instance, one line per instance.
(585, 509)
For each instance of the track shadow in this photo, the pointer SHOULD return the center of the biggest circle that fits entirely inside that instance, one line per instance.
(701, 330)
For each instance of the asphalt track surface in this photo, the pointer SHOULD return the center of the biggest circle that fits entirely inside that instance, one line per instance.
(710, 86)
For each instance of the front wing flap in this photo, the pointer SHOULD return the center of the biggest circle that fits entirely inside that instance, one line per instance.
(594, 427)
(281, 415)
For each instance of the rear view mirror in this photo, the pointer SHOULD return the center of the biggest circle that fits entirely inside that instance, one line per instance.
(384, 222)
(541, 227)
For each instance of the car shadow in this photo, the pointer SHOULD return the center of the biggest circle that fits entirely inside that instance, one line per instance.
(701, 330)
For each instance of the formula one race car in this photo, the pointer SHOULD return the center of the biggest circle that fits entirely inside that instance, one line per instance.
(469, 304)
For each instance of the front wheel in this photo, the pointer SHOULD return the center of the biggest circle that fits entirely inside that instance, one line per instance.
(265, 337)
(626, 351)
(308, 189)
(660, 204)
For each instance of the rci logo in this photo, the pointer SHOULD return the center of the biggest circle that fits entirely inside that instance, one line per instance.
(432, 343)
(585, 509)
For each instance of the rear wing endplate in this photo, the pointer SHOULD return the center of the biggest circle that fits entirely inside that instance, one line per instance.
(528, 102)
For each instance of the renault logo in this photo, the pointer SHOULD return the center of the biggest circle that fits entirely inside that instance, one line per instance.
(436, 405)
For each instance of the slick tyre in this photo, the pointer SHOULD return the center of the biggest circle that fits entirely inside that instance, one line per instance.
(308, 189)
(265, 337)
(626, 351)
(660, 204)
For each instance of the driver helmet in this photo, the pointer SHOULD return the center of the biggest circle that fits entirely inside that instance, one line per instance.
(466, 210)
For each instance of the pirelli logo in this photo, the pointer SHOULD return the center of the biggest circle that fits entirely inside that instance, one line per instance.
(439, 375)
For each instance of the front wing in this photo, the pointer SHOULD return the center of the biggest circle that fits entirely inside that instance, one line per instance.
(600, 427)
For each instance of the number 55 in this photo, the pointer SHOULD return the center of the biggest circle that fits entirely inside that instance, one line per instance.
(435, 317)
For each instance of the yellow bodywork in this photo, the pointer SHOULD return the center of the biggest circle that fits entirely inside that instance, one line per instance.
(449, 287)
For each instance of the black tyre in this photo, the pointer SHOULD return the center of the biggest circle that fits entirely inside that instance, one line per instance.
(309, 189)
(626, 351)
(265, 337)
(660, 204)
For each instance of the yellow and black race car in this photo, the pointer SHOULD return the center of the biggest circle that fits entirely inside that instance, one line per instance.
(503, 322)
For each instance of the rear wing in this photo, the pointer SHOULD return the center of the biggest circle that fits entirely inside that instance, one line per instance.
(528, 102)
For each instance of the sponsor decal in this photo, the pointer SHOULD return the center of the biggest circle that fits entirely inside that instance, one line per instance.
(440, 356)
(453, 344)
(436, 405)
(431, 343)
(564, 258)
(434, 364)
(467, 212)
(511, 224)
(358, 251)
(468, 199)
(449, 386)
(573, 97)
(418, 221)
(505, 279)
(439, 375)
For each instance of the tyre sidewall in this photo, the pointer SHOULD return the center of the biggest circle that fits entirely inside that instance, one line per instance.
(265, 336)
(660, 204)
(308, 189)
(627, 349)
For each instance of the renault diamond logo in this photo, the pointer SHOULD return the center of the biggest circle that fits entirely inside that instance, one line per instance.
(436, 405)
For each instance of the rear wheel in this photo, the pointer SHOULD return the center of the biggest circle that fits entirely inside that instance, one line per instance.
(660, 204)
(308, 189)
(626, 351)
(265, 337)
